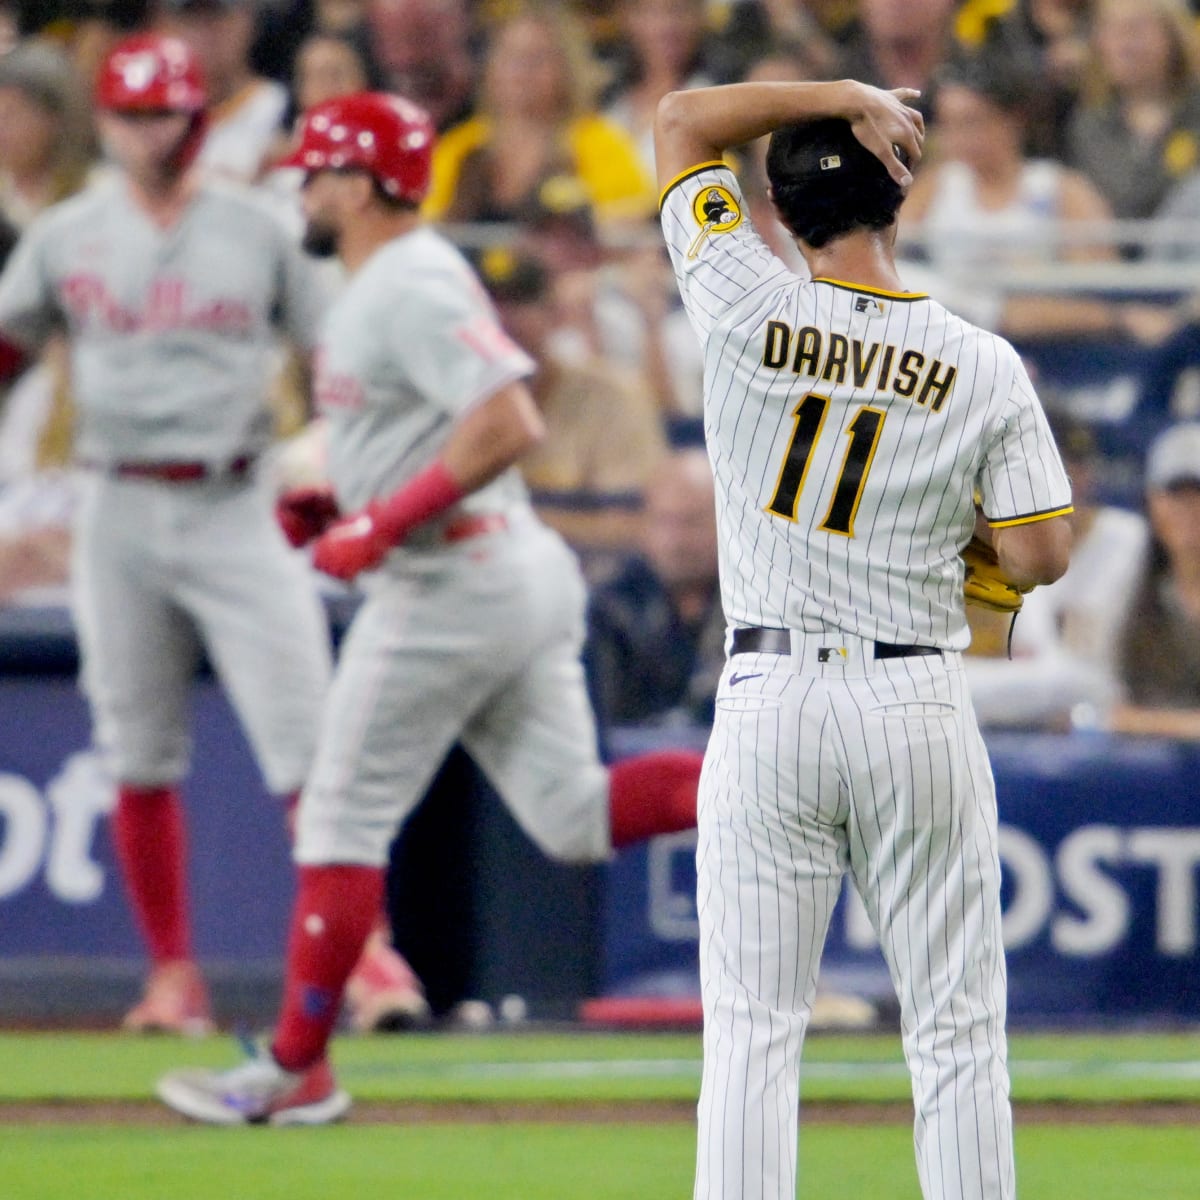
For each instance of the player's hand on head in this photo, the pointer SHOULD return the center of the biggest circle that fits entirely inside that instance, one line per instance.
(304, 513)
(352, 545)
(886, 121)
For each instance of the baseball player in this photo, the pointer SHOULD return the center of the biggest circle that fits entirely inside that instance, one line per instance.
(173, 294)
(472, 624)
(850, 425)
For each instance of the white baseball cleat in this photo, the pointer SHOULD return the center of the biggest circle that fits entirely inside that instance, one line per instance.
(258, 1092)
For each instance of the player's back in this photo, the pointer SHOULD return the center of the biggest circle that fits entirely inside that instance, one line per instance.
(847, 436)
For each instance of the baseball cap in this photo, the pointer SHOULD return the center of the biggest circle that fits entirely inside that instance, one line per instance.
(1174, 456)
(560, 200)
(826, 151)
(512, 277)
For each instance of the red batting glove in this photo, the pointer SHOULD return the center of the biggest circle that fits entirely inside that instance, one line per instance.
(305, 513)
(353, 544)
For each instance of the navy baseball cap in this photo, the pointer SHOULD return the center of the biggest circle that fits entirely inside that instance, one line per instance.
(826, 151)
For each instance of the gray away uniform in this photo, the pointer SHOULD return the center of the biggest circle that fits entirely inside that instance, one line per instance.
(173, 334)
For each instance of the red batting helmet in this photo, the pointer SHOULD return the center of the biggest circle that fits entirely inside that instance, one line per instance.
(387, 136)
(151, 73)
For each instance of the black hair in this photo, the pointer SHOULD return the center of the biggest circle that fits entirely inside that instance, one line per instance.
(826, 184)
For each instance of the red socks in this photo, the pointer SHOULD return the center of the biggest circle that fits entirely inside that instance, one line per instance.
(336, 908)
(652, 794)
(150, 840)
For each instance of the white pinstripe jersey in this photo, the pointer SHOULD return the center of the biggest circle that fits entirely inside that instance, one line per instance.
(849, 431)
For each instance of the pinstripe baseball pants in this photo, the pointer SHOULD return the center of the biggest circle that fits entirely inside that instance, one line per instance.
(819, 763)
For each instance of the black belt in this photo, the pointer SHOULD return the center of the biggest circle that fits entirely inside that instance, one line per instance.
(779, 641)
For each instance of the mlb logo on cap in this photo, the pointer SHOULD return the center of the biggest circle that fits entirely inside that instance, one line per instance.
(831, 162)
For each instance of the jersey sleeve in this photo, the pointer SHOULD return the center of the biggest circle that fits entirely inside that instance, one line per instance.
(29, 310)
(1022, 478)
(718, 255)
(450, 344)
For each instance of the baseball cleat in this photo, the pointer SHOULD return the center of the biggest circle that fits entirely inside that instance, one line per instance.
(258, 1092)
(175, 1001)
(384, 994)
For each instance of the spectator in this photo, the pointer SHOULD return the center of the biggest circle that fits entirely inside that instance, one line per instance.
(326, 65)
(1136, 131)
(656, 633)
(663, 43)
(47, 152)
(47, 146)
(899, 43)
(247, 109)
(614, 303)
(1046, 38)
(423, 50)
(282, 25)
(984, 205)
(1063, 667)
(1159, 652)
(604, 440)
(755, 29)
(536, 124)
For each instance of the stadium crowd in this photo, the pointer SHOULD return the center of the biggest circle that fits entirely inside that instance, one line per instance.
(1056, 204)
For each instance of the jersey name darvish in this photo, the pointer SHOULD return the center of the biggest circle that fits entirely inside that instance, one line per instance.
(851, 431)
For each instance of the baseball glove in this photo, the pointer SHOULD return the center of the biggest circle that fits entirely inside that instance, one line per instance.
(305, 513)
(986, 585)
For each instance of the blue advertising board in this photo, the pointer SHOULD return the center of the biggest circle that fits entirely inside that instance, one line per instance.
(1100, 844)
(59, 890)
(1100, 850)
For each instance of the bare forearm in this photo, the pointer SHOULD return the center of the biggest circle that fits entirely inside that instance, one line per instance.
(713, 119)
(699, 124)
(493, 437)
(1034, 554)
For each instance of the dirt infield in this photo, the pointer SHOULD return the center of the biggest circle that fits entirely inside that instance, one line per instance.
(152, 1114)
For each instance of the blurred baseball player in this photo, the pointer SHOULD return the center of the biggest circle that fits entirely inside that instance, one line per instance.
(472, 625)
(173, 294)
(850, 425)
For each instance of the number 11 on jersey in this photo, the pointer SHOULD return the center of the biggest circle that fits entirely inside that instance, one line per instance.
(809, 419)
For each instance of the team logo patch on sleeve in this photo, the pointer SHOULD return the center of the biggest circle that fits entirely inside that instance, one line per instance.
(716, 211)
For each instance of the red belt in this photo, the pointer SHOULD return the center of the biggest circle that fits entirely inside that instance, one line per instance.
(462, 528)
(180, 471)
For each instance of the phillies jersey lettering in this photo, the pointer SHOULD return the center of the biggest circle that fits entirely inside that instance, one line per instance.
(174, 332)
(850, 431)
(168, 306)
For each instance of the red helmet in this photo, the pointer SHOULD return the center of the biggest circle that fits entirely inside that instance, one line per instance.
(151, 73)
(387, 136)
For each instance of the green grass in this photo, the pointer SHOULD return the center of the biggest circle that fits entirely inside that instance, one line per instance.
(529, 1162)
(570, 1161)
(537, 1066)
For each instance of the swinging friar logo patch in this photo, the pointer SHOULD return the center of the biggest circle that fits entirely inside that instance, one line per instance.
(716, 211)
